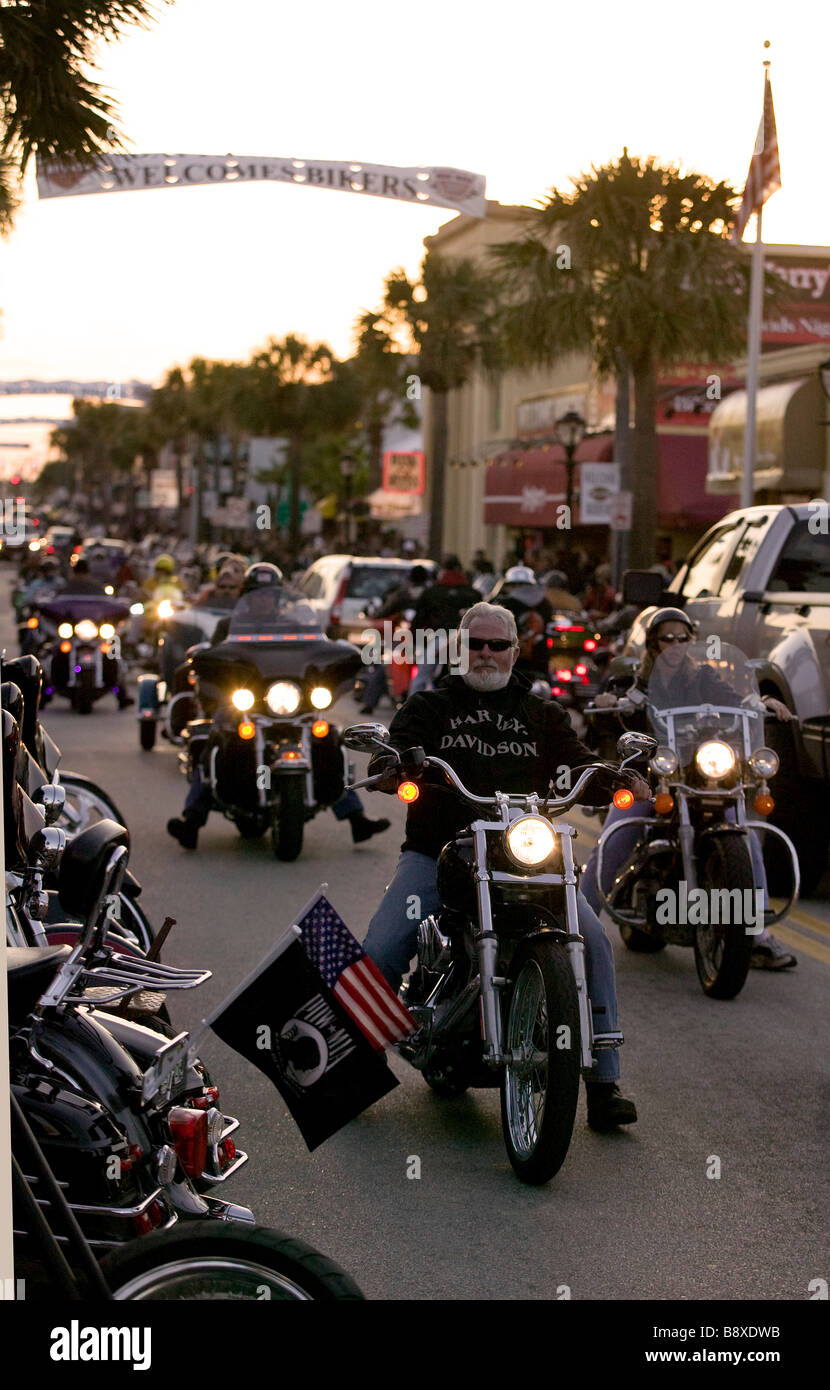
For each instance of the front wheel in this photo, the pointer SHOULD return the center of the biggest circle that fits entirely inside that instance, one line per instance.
(287, 833)
(219, 1260)
(723, 949)
(540, 1085)
(83, 695)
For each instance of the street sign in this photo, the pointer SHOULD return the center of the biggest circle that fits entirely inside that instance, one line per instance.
(403, 472)
(621, 510)
(599, 483)
(164, 490)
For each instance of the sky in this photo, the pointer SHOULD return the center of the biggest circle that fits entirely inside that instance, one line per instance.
(127, 284)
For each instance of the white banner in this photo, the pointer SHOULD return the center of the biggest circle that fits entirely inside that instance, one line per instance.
(446, 188)
(164, 490)
(598, 482)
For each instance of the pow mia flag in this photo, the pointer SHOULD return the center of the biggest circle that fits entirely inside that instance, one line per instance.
(286, 1020)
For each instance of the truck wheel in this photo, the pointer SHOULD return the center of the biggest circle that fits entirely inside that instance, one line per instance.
(800, 811)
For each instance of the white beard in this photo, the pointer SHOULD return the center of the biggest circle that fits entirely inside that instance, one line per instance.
(487, 680)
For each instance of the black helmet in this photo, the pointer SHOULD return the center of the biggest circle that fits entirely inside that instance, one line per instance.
(667, 615)
(261, 576)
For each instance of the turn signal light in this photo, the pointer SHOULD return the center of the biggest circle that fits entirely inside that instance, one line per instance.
(623, 798)
(31, 622)
(245, 729)
(66, 646)
(189, 1130)
(764, 803)
(290, 755)
(663, 803)
(319, 728)
(409, 791)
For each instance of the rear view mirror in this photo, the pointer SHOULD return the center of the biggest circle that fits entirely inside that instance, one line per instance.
(366, 738)
(84, 867)
(644, 589)
(634, 745)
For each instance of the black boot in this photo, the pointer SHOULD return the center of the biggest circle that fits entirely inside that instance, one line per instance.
(607, 1107)
(124, 700)
(364, 829)
(185, 830)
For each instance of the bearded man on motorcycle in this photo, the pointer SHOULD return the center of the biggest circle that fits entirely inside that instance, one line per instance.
(497, 736)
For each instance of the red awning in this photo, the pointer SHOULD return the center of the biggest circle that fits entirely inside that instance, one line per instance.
(526, 487)
(683, 500)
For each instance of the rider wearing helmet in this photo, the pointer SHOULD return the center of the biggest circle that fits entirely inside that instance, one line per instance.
(525, 598)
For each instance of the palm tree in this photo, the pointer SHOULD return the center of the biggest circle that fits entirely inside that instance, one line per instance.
(635, 267)
(451, 321)
(379, 368)
(47, 104)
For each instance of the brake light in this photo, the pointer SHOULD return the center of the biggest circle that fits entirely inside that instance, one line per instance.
(557, 690)
(581, 670)
(205, 1101)
(189, 1132)
(589, 644)
(550, 643)
(148, 1219)
(342, 588)
(227, 1153)
(564, 675)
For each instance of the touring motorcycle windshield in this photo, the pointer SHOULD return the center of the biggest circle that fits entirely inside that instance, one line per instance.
(696, 697)
(271, 613)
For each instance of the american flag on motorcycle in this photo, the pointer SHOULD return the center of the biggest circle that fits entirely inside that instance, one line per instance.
(352, 977)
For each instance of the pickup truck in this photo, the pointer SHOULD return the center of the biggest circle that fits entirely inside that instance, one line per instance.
(760, 579)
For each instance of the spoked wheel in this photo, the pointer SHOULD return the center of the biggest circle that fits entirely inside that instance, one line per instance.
(540, 1086)
(218, 1260)
(287, 834)
(722, 950)
(85, 804)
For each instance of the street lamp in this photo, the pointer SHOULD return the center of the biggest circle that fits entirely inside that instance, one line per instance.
(348, 468)
(570, 432)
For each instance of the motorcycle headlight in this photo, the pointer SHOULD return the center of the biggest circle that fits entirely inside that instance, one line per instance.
(320, 697)
(65, 630)
(242, 699)
(283, 698)
(764, 762)
(165, 608)
(86, 630)
(664, 761)
(530, 841)
(715, 759)
(106, 630)
(136, 609)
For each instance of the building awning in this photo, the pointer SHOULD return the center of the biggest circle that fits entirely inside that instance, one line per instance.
(789, 448)
(526, 487)
(683, 501)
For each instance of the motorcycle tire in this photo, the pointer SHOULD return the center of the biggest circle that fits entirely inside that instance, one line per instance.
(539, 1096)
(722, 956)
(91, 803)
(224, 1260)
(287, 832)
(636, 940)
(147, 734)
(251, 827)
(83, 698)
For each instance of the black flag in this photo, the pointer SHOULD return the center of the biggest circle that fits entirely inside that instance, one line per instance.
(286, 1020)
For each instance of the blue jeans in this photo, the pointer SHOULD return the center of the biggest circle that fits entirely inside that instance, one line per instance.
(621, 845)
(412, 894)
(376, 686)
(423, 681)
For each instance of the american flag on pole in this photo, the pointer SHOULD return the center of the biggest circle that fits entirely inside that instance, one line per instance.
(352, 977)
(764, 170)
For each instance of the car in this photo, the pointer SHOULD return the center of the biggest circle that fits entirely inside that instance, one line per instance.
(338, 588)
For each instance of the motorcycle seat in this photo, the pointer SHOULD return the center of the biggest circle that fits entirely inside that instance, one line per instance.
(198, 728)
(29, 969)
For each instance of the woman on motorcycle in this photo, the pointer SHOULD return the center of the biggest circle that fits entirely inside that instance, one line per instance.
(678, 681)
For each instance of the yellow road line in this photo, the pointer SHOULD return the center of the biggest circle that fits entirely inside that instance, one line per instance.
(804, 943)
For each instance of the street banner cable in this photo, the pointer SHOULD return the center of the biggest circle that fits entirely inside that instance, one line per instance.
(119, 173)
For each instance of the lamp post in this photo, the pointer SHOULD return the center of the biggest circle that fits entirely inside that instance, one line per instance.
(347, 469)
(570, 432)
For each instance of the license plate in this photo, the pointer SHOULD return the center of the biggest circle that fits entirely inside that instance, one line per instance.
(169, 1070)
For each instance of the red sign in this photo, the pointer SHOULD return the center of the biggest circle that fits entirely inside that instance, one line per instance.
(403, 472)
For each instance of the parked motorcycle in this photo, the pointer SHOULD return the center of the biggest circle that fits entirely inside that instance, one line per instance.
(269, 756)
(85, 663)
(500, 987)
(710, 760)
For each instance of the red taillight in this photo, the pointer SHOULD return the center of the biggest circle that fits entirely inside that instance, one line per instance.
(589, 644)
(581, 670)
(550, 643)
(334, 617)
(147, 1220)
(564, 675)
(227, 1153)
(189, 1132)
(557, 690)
(204, 1102)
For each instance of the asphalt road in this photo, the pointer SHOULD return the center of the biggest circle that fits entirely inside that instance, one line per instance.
(629, 1216)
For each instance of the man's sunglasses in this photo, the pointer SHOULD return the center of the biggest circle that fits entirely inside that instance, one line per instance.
(671, 637)
(496, 644)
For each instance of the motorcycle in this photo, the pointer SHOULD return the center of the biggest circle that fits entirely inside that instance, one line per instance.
(710, 760)
(500, 989)
(167, 698)
(576, 652)
(86, 662)
(120, 1135)
(267, 753)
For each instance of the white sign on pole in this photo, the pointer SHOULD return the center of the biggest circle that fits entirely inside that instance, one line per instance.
(621, 511)
(598, 484)
(117, 173)
(164, 491)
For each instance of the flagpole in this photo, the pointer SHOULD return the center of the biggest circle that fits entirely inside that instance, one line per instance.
(753, 359)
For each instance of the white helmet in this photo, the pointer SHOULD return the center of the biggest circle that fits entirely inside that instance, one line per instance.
(520, 574)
